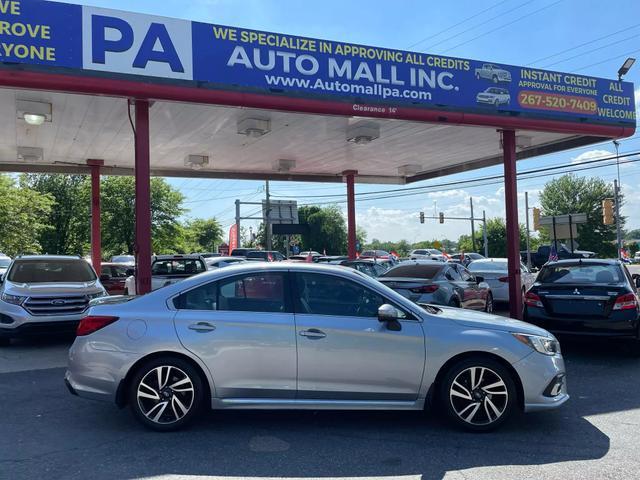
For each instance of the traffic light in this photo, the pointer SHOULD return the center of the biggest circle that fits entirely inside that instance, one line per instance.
(607, 211)
(421, 217)
(536, 218)
(441, 217)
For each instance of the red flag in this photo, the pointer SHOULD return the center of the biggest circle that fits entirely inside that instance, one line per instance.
(269, 257)
(233, 238)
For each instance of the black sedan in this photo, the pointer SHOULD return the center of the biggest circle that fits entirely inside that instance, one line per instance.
(437, 283)
(584, 297)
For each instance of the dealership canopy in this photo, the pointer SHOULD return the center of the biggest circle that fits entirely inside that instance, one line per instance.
(228, 102)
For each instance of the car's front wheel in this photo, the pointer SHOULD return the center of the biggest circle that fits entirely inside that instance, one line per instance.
(478, 394)
(166, 394)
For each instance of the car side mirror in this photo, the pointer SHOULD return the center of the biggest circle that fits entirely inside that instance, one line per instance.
(479, 279)
(389, 314)
(104, 277)
(130, 272)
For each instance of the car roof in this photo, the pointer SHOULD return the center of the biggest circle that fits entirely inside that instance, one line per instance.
(178, 256)
(584, 261)
(49, 257)
(223, 259)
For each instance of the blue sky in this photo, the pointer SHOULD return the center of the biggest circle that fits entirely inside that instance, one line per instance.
(540, 33)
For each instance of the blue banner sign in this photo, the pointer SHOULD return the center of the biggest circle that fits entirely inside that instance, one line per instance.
(39, 33)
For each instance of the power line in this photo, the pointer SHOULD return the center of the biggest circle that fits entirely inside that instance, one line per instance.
(591, 51)
(503, 25)
(472, 180)
(584, 44)
(606, 60)
(457, 24)
(478, 25)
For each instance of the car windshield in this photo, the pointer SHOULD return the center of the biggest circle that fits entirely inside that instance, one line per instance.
(435, 251)
(123, 259)
(488, 266)
(582, 274)
(414, 271)
(181, 266)
(5, 262)
(45, 271)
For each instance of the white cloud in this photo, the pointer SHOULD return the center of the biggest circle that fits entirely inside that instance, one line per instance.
(591, 155)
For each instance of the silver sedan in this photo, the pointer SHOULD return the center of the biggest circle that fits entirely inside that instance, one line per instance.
(283, 336)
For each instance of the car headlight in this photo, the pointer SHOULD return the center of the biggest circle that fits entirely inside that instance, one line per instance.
(97, 295)
(13, 299)
(544, 345)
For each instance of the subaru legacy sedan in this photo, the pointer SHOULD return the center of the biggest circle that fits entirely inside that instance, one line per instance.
(307, 336)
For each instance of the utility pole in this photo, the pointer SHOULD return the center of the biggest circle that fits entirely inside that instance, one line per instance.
(526, 208)
(267, 226)
(237, 224)
(616, 188)
(484, 234)
(473, 230)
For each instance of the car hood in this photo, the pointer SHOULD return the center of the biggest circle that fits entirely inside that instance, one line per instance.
(472, 319)
(44, 289)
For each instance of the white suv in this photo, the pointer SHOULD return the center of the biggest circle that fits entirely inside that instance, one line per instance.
(42, 294)
(427, 254)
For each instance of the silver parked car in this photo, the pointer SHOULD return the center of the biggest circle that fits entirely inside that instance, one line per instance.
(495, 273)
(308, 336)
(42, 294)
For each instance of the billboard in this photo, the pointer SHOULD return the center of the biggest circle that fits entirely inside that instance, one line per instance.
(88, 40)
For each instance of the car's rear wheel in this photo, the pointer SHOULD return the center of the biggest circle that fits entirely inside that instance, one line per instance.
(479, 394)
(5, 341)
(488, 306)
(454, 303)
(166, 394)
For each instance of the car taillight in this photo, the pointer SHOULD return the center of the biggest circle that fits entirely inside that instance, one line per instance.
(425, 289)
(626, 302)
(503, 279)
(533, 300)
(93, 323)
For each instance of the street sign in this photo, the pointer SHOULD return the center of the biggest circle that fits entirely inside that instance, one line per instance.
(280, 211)
(564, 219)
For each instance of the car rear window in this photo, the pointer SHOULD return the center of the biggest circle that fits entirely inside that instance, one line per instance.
(45, 271)
(5, 262)
(585, 273)
(487, 267)
(413, 271)
(177, 267)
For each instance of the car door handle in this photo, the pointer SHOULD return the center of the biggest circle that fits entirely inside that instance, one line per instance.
(202, 327)
(313, 333)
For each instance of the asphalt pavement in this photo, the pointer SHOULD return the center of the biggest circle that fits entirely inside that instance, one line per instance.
(48, 433)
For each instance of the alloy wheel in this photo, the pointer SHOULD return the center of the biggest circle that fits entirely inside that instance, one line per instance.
(478, 396)
(489, 304)
(165, 394)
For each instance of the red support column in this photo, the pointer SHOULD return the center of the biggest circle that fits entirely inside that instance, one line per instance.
(96, 239)
(143, 198)
(513, 228)
(351, 213)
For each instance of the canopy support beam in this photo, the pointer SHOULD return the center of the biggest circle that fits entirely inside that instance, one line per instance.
(96, 238)
(351, 213)
(143, 198)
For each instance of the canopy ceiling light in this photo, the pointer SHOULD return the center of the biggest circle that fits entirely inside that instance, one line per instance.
(30, 154)
(34, 113)
(254, 127)
(196, 161)
(284, 165)
(363, 132)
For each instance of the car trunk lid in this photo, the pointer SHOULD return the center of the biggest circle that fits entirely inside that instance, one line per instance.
(584, 300)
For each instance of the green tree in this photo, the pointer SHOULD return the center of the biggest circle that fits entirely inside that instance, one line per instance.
(572, 194)
(632, 234)
(202, 235)
(23, 215)
(70, 216)
(118, 216)
(327, 229)
(496, 239)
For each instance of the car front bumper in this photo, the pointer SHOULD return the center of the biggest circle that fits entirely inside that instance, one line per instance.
(539, 374)
(16, 322)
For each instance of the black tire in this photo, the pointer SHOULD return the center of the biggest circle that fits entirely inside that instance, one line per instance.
(5, 341)
(147, 410)
(454, 303)
(495, 79)
(483, 410)
(488, 306)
